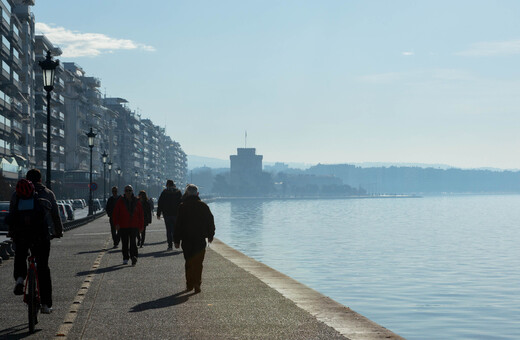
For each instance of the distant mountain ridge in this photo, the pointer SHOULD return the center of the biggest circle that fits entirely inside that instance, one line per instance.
(195, 161)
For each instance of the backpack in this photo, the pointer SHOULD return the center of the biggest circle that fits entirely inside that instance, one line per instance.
(31, 218)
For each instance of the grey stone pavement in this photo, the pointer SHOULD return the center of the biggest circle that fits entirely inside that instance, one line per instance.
(97, 297)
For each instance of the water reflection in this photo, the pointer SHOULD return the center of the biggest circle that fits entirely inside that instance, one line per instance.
(241, 222)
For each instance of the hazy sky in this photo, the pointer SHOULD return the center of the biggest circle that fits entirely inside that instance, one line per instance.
(310, 81)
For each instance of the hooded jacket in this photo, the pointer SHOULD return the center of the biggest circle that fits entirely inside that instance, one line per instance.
(169, 202)
(128, 213)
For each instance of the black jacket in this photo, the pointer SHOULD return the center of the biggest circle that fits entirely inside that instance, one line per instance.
(111, 203)
(169, 202)
(147, 211)
(194, 224)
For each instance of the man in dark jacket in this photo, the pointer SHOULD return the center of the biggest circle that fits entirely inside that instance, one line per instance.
(168, 205)
(194, 224)
(111, 203)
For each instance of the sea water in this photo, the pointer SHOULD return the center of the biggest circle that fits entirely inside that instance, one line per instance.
(445, 267)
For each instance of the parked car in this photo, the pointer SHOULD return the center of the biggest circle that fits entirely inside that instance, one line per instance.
(4, 210)
(70, 212)
(63, 213)
(77, 204)
(84, 202)
(96, 204)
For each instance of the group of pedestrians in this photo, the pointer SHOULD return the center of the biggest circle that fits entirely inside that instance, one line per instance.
(34, 221)
(188, 221)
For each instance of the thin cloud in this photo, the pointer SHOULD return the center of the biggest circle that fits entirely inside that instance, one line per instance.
(489, 49)
(408, 53)
(77, 44)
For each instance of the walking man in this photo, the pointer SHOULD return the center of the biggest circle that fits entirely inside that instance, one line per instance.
(168, 205)
(129, 221)
(111, 203)
(194, 224)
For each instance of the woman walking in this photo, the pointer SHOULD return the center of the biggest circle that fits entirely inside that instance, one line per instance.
(147, 210)
(129, 220)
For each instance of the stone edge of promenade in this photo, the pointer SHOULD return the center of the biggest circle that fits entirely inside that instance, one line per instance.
(343, 319)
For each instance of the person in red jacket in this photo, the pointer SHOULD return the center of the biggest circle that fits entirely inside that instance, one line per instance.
(128, 218)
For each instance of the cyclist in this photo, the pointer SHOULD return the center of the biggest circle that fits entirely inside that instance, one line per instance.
(33, 213)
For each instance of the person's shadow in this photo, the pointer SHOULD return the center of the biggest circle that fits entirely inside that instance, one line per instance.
(164, 302)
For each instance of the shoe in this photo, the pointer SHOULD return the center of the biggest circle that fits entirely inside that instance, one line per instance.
(46, 310)
(189, 288)
(141, 246)
(197, 289)
(115, 245)
(170, 247)
(125, 261)
(18, 289)
(134, 260)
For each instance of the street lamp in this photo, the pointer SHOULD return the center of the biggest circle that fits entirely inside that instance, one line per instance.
(148, 185)
(104, 159)
(118, 177)
(91, 135)
(136, 174)
(48, 67)
(110, 174)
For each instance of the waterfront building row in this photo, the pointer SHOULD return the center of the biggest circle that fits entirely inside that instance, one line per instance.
(142, 150)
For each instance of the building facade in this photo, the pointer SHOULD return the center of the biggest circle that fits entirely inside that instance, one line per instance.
(142, 150)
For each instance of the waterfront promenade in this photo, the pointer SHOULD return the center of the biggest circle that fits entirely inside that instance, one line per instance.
(97, 297)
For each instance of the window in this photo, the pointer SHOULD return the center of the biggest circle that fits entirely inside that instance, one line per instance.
(16, 30)
(16, 53)
(6, 15)
(6, 67)
(16, 76)
(6, 42)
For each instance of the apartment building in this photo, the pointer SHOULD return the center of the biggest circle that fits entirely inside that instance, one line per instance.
(141, 149)
(16, 84)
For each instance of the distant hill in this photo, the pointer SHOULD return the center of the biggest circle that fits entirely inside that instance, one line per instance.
(201, 161)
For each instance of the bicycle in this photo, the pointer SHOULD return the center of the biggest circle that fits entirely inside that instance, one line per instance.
(31, 295)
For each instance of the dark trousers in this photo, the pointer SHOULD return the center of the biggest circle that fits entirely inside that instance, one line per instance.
(140, 237)
(193, 267)
(128, 235)
(115, 233)
(41, 250)
(169, 221)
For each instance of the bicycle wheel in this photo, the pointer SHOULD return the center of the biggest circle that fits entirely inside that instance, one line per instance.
(32, 302)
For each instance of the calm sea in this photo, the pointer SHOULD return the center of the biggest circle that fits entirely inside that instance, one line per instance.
(426, 268)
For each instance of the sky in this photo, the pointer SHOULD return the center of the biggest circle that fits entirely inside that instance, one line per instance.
(343, 81)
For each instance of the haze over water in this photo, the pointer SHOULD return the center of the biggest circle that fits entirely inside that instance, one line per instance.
(433, 267)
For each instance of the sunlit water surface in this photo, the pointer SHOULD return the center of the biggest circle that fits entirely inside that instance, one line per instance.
(426, 268)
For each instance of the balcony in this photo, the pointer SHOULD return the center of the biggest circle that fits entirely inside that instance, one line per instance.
(16, 126)
(4, 24)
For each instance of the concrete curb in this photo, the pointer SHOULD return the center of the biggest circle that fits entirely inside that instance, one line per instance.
(349, 323)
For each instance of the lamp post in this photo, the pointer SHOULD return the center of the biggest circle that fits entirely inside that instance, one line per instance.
(48, 67)
(104, 159)
(118, 177)
(110, 174)
(148, 185)
(91, 135)
(136, 174)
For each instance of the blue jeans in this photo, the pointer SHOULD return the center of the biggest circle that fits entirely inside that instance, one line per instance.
(169, 221)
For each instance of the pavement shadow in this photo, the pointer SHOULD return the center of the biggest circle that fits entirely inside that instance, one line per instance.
(162, 253)
(15, 332)
(164, 302)
(101, 270)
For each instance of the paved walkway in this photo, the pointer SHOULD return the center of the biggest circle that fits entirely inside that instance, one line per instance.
(97, 297)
